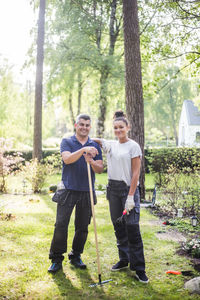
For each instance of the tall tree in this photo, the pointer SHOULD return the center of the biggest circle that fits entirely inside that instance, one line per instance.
(133, 78)
(88, 32)
(37, 141)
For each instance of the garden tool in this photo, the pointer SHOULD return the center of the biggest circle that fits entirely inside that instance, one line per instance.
(184, 273)
(121, 219)
(95, 231)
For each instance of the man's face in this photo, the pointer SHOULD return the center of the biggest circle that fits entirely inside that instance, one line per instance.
(83, 127)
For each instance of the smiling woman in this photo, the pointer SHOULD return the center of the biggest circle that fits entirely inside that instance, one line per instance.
(16, 21)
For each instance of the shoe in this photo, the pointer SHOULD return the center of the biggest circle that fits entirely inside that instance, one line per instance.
(141, 276)
(119, 266)
(77, 262)
(55, 267)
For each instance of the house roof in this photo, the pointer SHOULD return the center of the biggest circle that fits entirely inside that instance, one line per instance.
(193, 114)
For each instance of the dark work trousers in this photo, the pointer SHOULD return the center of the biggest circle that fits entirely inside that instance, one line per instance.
(129, 241)
(65, 205)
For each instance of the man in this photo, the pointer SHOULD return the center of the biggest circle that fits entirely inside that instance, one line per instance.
(75, 151)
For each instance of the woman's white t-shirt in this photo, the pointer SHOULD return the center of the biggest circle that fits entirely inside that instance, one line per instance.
(119, 157)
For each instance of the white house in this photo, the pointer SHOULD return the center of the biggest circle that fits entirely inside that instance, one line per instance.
(189, 125)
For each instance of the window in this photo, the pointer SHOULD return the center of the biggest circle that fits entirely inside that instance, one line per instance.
(197, 137)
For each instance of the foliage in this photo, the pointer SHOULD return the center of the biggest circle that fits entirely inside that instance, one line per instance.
(192, 247)
(16, 120)
(8, 163)
(71, 47)
(28, 278)
(181, 224)
(27, 154)
(159, 160)
(180, 189)
(176, 25)
(35, 172)
(163, 109)
(54, 161)
(88, 34)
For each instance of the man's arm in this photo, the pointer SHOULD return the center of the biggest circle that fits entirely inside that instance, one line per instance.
(71, 157)
(97, 165)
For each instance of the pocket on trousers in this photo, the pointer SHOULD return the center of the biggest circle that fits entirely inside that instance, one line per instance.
(133, 217)
(60, 196)
(107, 192)
(137, 209)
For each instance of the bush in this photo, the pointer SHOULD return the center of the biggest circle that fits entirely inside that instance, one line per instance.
(27, 154)
(192, 247)
(35, 173)
(54, 161)
(181, 190)
(158, 161)
(8, 163)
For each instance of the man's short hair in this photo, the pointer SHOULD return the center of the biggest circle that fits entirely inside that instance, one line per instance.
(83, 116)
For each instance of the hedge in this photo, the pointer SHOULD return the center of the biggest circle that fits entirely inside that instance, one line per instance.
(156, 159)
(27, 154)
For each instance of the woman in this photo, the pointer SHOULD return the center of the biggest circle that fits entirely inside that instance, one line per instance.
(123, 162)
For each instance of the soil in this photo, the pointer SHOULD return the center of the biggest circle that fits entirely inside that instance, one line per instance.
(176, 236)
(171, 235)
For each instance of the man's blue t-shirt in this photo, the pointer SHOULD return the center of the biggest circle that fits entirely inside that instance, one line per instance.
(75, 175)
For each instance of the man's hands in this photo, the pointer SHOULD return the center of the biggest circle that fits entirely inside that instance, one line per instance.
(90, 151)
(129, 204)
(97, 165)
(88, 158)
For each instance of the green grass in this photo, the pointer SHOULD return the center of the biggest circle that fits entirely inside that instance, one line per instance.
(149, 181)
(24, 247)
(101, 178)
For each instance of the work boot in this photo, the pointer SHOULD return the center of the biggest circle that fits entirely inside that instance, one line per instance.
(141, 276)
(55, 267)
(120, 265)
(77, 262)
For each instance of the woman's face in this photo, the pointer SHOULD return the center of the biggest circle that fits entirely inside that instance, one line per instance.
(120, 129)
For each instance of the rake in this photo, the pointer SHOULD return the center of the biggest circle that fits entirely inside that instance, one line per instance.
(95, 231)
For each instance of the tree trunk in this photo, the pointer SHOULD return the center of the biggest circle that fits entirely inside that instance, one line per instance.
(133, 79)
(71, 110)
(113, 33)
(102, 102)
(80, 88)
(37, 142)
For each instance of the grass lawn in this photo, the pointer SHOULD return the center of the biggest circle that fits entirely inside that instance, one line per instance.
(24, 245)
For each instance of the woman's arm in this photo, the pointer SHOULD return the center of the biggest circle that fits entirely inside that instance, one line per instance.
(98, 141)
(135, 166)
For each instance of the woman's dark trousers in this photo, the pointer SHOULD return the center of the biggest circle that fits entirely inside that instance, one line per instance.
(127, 230)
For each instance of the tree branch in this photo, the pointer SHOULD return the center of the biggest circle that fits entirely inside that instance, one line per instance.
(173, 77)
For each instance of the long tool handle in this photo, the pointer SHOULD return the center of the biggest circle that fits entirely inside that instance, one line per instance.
(94, 220)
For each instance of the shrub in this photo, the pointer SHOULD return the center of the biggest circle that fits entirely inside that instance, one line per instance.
(35, 172)
(55, 162)
(8, 163)
(181, 190)
(158, 161)
(192, 247)
(27, 154)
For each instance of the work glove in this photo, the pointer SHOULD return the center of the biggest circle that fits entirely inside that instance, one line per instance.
(129, 204)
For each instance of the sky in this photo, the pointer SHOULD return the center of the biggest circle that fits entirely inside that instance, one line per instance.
(16, 20)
